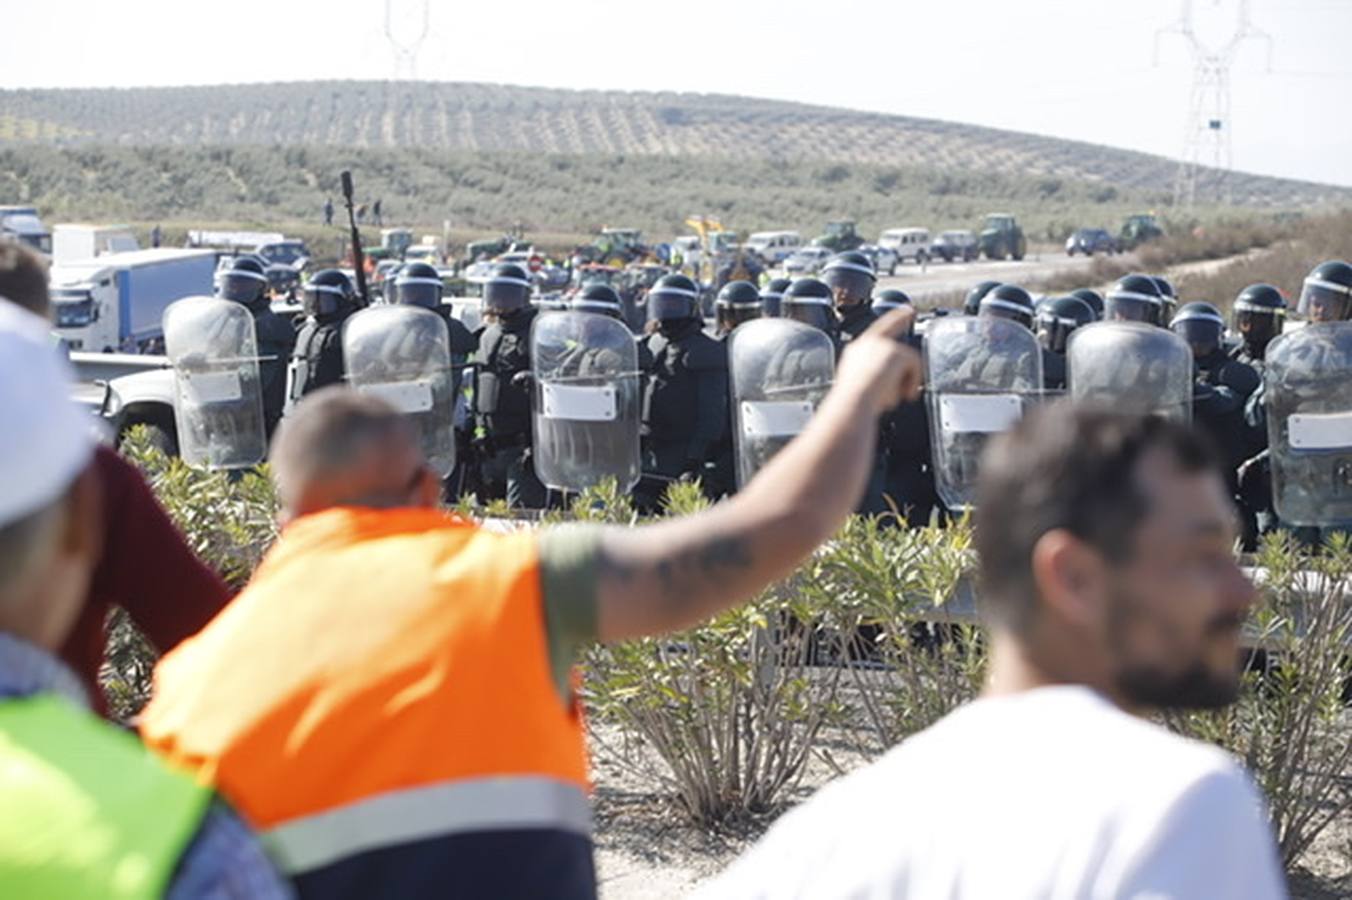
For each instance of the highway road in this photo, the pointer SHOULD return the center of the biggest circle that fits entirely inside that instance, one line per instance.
(937, 279)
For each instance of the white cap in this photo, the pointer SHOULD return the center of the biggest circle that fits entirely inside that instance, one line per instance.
(49, 440)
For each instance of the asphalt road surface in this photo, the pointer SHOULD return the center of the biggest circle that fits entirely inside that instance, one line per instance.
(941, 278)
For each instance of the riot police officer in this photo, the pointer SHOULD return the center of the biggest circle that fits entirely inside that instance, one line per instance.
(1326, 295)
(972, 305)
(851, 278)
(772, 295)
(1258, 315)
(908, 479)
(601, 299)
(737, 302)
(502, 390)
(418, 284)
(328, 299)
(1009, 301)
(1057, 319)
(245, 282)
(1092, 298)
(685, 399)
(1134, 298)
(809, 301)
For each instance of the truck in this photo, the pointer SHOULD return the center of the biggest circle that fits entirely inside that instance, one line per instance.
(22, 222)
(72, 242)
(115, 302)
(1002, 237)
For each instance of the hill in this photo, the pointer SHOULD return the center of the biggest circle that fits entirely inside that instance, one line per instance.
(493, 119)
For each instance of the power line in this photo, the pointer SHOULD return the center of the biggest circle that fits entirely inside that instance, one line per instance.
(1208, 126)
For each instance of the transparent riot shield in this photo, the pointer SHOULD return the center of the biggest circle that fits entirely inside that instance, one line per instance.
(218, 397)
(982, 374)
(402, 355)
(1308, 392)
(1130, 367)
(779, 371)
(587, 401)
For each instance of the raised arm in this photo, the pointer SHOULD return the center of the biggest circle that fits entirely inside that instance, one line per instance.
(671, 575)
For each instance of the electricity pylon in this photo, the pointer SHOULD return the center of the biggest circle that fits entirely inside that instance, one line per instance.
(407, 46)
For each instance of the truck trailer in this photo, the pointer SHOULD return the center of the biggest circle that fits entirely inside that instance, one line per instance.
(116, 302)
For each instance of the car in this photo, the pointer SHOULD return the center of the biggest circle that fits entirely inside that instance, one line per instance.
(884, 259)
(951, 246)
(908, 243)
(1090, 241)
(774, 246)
(807, 261)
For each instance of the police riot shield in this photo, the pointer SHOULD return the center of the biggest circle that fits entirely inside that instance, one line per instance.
(218, 398)
(1308, 392)
(779, 370)
(402, 355)
(587, 404)
(1132, 368)
(982, 374)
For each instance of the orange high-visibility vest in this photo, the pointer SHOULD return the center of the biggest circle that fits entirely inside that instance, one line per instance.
(378, 703)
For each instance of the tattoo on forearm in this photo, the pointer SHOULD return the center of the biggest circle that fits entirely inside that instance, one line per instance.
(702, 564)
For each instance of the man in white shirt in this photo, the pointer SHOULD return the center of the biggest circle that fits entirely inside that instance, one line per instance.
(1110, 583)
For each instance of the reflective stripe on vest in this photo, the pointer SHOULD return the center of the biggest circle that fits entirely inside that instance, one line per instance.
(87, 811)
(492, 804)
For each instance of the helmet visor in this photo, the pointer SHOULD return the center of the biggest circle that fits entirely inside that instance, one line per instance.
(604, 307)
(242, 286)
(1324, 301)
(730, 315)
(424, 292)
(1131, 308)
(1053, 331)
(849, 285)
(505, 295)
(1258, 324)
(1202, 334)
(817, 314)
(1003, 309)
(322, 299)
(667, 304)
(771, 303)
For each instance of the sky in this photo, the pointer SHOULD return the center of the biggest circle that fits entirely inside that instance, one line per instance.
(1091, 70)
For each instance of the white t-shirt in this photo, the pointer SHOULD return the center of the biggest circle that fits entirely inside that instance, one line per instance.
(1051, 793)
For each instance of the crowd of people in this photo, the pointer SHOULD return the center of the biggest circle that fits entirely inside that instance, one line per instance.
(390, 706)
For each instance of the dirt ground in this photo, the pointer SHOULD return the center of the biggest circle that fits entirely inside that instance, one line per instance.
(647, 850)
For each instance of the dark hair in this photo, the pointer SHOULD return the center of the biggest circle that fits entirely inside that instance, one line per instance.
(1071, 468)
(23, 277)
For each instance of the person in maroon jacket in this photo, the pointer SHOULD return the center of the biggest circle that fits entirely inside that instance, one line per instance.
(146, 568)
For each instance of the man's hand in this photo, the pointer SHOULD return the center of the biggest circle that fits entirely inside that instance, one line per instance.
(671, 575)
(879, 366)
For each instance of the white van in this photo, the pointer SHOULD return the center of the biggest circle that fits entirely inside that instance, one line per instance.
(774, 246)
(907, 243)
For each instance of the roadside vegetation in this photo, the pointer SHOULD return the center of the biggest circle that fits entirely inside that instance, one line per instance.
(870, 641)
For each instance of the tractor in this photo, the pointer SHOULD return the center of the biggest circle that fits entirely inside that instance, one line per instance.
(1002, 238)
(840, 235)
(1139, 229)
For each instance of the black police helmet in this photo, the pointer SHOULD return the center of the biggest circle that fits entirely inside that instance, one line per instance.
(1058, 317)
(1258, 314)
(246, 282)
(1326, 295)
(890, 299)
(1201, 325)
(328, 293)
(773, 294)
(972, 305)
(809, 301)
(1009, 301)
(1135, 298)
(599, 297)
(672, 298)
(507, 289)
(1091, 297)
(418, 284)
(851, 272)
